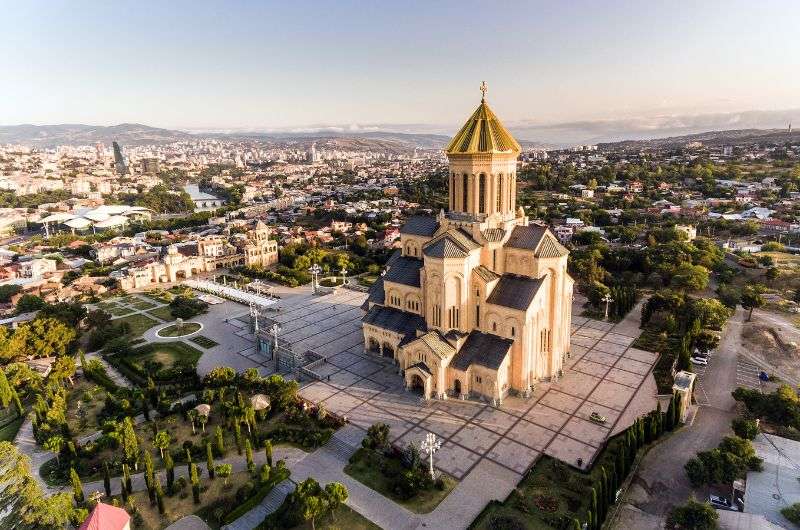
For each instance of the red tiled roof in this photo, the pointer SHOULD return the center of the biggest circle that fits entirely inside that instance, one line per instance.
(106, 517)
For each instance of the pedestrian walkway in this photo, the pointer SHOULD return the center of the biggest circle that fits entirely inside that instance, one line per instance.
(119, 379)
(271, 502)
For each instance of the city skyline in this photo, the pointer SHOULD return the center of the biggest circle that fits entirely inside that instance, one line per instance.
(270, 66)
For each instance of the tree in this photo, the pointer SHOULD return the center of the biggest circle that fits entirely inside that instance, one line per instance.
(220, 442)
(192, 415)
(377, 437)
(203, 419)
(149, 477)
(792, 513)
(130, 444)
(693, 516)
(162, 441)
(169, 465)
(106, 480)
(752, 298)
(209, 461)
(159, 496)
(248, 450)
(594, 508)
(224, 471)
(268, 451)
(237, 435)
(690, 277)
(705, 341)
(311, 508)
(55, 444)
(744, 428)
(6, 392)
(195, 484)
(28, 303)
(77, 487)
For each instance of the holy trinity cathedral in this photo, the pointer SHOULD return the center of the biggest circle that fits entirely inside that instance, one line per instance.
(477, 301)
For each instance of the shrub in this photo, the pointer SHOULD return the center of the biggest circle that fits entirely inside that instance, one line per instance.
(792, 513)
(744, 428)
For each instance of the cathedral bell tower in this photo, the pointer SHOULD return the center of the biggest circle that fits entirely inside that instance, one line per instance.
(483, 168)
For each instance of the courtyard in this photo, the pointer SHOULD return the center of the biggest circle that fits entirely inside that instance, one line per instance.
(603, 374)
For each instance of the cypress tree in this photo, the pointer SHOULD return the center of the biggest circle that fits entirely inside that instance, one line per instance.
(268, 452)
(148, 477)
(127, 477)
(642, 432)
(621, 462)
(593, 510)
(123, 490)
(106, 480)
(220, 442)
(195, 484)
(188, 462)
(18, 404)
(676, 411)
(602, 495)
(660, 420)
(77, 487)
(576, 525)
(159, 497)
(170, 466)
(6, 392)
(237, 431)
(248, 450)
(209, 460)
(589, 520)
(146, 410)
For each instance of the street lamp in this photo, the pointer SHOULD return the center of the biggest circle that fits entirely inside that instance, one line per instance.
(275, 329)
(314, 270)
(344, 275)
(607, 299)
(430, 445)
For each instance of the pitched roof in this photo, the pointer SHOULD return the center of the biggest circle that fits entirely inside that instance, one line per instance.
(550, 248)
(106, 517)
(420, 225)
(437, 343)
(395, 320)
(454, 243)
(483, 349)
(485, 274)
(514, 291)
(526, 237)
(377, 294)
(493, 234)
(404, 270)
(483, 133)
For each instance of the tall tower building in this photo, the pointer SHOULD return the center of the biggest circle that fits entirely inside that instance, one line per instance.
(119, 160)
(477, 301)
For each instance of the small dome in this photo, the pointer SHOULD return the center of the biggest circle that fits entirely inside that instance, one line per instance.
(203, 409)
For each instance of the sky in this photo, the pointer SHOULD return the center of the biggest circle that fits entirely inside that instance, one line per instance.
(295, 65)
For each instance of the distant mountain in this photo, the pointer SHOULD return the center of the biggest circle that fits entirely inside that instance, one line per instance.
(77, 134)
(645, 128)
(715, 138)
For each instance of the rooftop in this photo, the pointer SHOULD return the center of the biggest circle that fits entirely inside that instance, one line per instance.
(514, 291)
(484, 349)
(483, 134)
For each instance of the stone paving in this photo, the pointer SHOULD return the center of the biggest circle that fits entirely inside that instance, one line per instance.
(603, 374)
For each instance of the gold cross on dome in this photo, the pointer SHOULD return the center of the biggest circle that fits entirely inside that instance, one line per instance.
(483, 90)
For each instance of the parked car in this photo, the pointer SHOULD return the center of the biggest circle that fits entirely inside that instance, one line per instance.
(700, 361)
(720, 502)
(597, 418)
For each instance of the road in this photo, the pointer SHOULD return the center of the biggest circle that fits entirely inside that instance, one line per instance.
(660, 481)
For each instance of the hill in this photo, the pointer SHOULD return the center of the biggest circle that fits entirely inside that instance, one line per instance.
(78, 134)
(711, 138)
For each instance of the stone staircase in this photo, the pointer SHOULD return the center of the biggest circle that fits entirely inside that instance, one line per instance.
(345, 442)
(269, 504)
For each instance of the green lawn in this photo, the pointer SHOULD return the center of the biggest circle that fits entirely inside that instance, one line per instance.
(138, 323)
(166, 353)
(163, 313)
(106, 306)
(205, 342)
(344, 518)
(176, 330)
(118, 311)
(142, 304)
(366, 467)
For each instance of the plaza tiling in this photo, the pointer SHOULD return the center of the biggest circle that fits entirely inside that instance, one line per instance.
(603, 374)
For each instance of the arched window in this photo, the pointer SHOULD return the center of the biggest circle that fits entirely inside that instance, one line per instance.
(464, 192)
(499, 192)
(482, 193)
(453, 191)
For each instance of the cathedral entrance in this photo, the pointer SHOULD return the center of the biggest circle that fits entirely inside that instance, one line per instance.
(388, 351)
(417, 385)
(374, 346)
(457, 388)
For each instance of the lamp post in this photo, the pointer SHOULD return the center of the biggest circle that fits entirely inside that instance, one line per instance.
(314, 270)
(607, 299)
(344, 275)
(430, 445)
(274, 330)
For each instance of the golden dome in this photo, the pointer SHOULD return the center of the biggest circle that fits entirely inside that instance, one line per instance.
(483, 134)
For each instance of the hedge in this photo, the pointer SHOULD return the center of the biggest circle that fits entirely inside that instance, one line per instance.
(277, 475)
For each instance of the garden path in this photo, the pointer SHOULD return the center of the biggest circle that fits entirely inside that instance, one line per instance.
(112, 372)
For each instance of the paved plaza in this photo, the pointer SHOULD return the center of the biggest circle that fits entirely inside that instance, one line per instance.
(603, 374)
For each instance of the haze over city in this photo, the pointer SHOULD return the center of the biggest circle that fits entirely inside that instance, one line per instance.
(411, 66)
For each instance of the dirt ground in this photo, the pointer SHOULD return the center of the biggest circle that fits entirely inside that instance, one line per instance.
(773, 341)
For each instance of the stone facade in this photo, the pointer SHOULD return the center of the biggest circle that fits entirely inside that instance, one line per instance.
(477, 301)
(254, 248)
